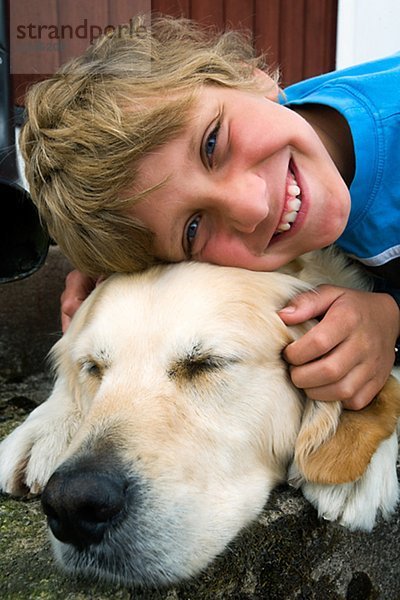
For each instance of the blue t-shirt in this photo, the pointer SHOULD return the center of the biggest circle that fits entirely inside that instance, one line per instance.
(368, 97)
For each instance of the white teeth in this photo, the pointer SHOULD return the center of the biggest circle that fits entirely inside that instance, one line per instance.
(293, 190)
(283, 227)
(294, 204)
(290, 217)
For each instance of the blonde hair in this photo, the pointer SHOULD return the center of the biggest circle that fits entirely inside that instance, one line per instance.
(89, 125)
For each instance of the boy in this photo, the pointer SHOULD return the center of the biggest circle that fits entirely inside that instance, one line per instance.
(174, 144)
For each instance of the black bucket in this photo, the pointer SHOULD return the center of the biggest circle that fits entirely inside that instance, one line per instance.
(23, 241)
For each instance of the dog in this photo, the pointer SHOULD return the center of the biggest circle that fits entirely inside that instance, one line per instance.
(173, 417)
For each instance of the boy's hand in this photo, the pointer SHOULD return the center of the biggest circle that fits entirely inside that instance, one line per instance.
(349, 354)
(77, 288)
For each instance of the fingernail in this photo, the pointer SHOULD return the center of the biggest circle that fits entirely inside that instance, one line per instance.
(287, 310)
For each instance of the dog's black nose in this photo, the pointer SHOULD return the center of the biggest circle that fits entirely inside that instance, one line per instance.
(81, 504)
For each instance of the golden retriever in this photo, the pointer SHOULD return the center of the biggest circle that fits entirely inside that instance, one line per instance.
(173, 417)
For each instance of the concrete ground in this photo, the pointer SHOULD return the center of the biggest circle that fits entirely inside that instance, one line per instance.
(287, 554)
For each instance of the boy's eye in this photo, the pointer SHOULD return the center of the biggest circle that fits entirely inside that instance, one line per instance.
(210, 145)
(191, 232)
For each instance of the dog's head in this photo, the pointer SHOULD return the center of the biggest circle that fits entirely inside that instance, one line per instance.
(188, 419)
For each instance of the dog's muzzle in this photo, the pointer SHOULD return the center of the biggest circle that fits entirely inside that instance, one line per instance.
(108, 521)
(83, 500)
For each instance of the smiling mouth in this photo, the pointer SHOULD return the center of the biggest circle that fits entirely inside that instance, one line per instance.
(292, 204)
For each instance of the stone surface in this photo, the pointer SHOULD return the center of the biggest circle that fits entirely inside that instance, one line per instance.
(287, 554)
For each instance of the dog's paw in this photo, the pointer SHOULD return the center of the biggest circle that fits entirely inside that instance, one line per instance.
(30, 454)
(356, 505)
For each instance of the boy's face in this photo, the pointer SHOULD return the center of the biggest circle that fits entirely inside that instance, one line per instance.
(249, 184)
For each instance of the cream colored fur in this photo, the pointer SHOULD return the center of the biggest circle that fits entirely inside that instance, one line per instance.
(178, 373)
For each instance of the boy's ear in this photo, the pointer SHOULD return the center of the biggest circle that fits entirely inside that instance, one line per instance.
(336, 447)
(269, 87)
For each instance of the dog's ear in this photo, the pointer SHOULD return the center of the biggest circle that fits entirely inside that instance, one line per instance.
(335, 446)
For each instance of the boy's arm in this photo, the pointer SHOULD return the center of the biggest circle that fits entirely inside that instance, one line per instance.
(349, 354)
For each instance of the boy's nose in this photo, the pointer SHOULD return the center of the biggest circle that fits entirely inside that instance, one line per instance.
(242, 210)
(244, 227)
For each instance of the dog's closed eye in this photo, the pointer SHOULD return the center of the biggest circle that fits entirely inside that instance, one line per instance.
(198, 362)
(92, 368)
(94, 364)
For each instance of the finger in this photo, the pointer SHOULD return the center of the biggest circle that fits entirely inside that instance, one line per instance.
(354, 390)
(346, 390)
(65, 321)
(71, 300)
(310, 305)
(327, 370)
(324, 337)
(356, 401)
(78, 285)
(361, 398)
(69, 306)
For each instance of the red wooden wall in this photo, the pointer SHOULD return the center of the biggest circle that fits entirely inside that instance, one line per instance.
(297, 35)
